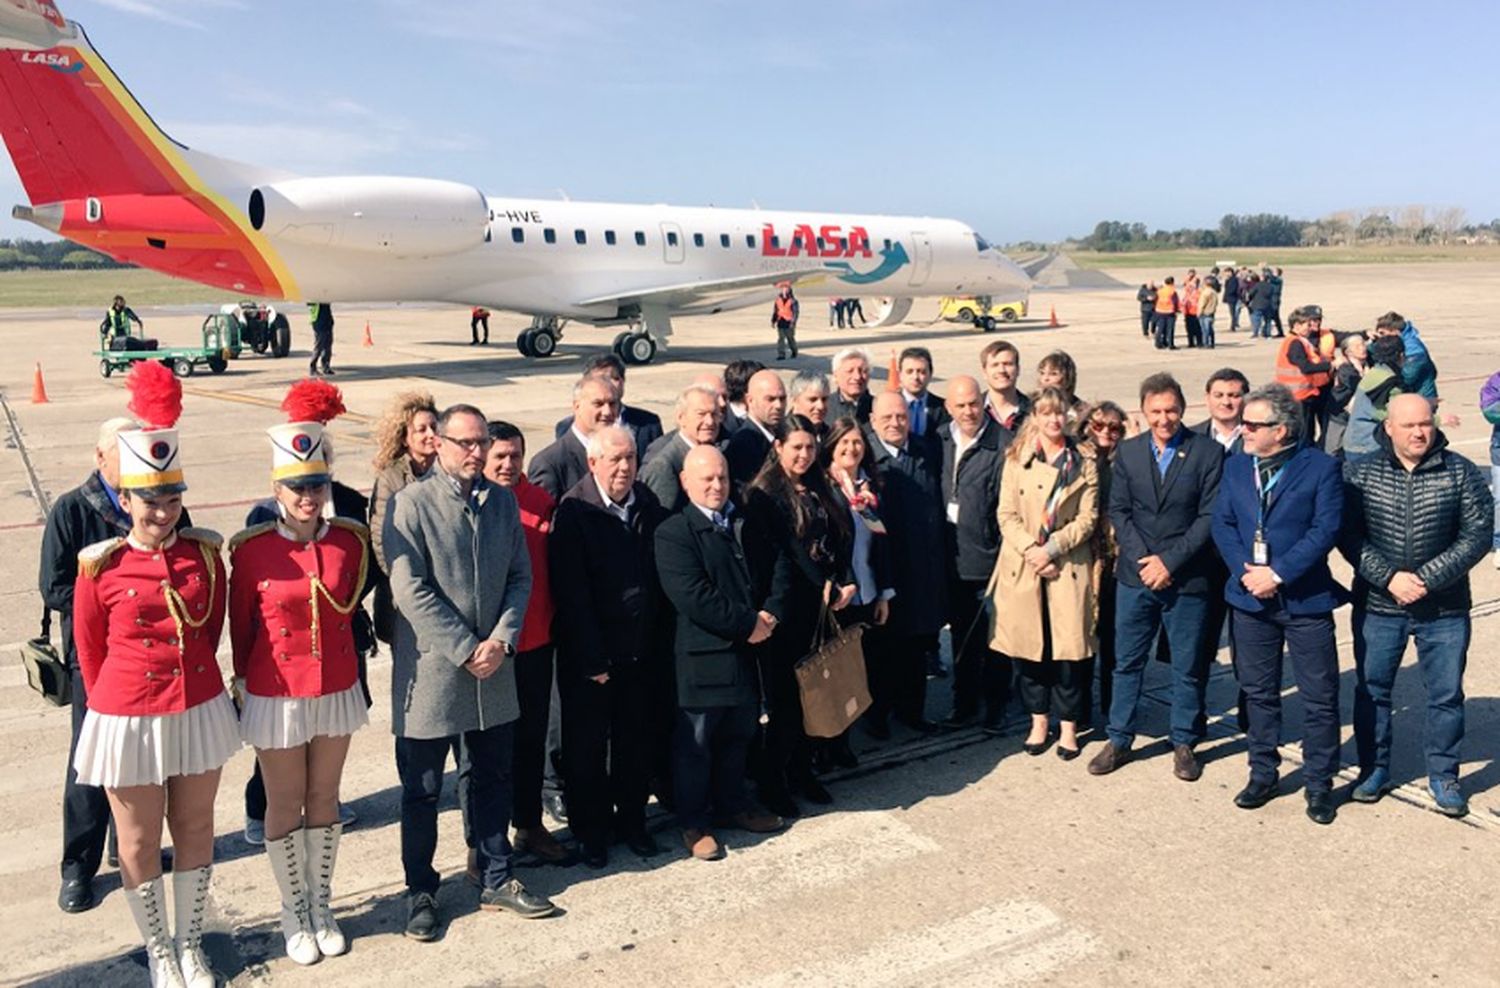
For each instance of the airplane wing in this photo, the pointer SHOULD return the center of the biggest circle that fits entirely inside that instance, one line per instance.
(726, 293)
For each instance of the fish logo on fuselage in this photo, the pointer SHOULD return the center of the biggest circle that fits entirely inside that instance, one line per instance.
(830, 242)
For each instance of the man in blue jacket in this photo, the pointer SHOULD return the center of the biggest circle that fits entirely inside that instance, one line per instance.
(1276, 521)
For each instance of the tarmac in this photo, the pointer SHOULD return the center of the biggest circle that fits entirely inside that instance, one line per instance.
(952, 860)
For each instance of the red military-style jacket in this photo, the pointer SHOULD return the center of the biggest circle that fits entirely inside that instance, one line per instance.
(291, 608)
(537, 507)
(147, 624)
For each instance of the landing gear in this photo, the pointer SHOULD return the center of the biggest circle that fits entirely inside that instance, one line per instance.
(540, 341)
(638, 348)
(639, 345)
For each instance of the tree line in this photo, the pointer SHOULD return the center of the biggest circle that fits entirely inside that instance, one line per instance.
(1388, 225)
(51, 255)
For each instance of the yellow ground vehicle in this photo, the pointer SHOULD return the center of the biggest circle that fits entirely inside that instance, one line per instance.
(980, 309)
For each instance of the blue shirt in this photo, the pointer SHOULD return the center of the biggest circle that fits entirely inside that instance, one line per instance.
(1168, 452)
(114, 496)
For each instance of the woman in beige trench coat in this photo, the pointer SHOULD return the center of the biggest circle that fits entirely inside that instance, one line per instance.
(1042, 586)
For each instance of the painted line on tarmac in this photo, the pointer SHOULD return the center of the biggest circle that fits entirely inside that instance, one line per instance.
(1011, 943)
(241, 398)
(43, 503)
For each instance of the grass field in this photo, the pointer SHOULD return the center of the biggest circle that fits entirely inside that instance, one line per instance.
(1288, 256)
(94, 289)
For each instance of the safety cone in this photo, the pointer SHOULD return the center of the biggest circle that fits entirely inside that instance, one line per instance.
(368, 341)
(38, 387)
(893, 377)
(1053, 323)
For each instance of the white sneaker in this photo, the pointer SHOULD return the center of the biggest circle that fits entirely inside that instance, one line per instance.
(255, 832)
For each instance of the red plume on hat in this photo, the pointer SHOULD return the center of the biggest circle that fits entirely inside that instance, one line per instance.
(155, 394)
(313, 401)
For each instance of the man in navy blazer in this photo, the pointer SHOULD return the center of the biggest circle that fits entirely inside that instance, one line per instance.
(1161, 501)
(1276, 521)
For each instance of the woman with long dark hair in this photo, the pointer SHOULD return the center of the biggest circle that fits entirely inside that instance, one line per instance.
(797, 543)
(1102, 432)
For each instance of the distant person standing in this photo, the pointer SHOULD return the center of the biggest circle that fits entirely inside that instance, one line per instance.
(1208, 306)
(1273, 278)
(851, 306)
(117, 320)
(478, 317)
(1232, 299)
(1145, 297)
(1258, 300)
(1164, 317)
(1418, 372)
(1301, 367)
(321, 314)
(1191, 287)
(784, 313)
(836, 312)
(1489, 404)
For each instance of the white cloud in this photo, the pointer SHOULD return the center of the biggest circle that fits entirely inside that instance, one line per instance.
(304, 149)
(170, 11)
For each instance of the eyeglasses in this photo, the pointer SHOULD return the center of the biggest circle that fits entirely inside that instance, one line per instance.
(304, 489)
(1250, 426)
(467, 445)
(1113, 428)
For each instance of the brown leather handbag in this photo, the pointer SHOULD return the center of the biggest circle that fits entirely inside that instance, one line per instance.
(831, 679)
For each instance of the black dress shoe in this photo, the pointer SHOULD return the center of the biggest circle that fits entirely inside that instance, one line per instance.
(76, 895)
(422, 918)
(1068, 754)
(1320, 807)
(556, 808)
(642, 844)
(920, 724)
(1034, 748)
(880, 730)
(814, 792)
(1257, 793)
(780, 802)
(594, 855)
(513, 897)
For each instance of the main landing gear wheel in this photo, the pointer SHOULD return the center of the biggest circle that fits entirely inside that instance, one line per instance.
(638, 349)
(618, 346)
(987, 324)
(541, 343)
(523, 342)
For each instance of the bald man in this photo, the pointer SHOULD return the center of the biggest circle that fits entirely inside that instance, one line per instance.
(765, 407)
(911, 505)
(1417, 519)
(972, 455)
(704, 574)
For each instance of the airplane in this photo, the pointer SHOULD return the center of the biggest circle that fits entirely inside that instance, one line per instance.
(99, 171)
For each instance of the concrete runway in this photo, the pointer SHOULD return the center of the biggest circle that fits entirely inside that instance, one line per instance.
(954, 860)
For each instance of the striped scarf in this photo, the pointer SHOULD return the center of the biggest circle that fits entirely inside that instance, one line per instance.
(1067, 465)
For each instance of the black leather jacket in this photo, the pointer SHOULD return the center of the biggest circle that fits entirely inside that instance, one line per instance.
(1436, 521)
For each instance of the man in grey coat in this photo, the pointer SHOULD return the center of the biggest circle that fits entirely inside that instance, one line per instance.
(460, 576)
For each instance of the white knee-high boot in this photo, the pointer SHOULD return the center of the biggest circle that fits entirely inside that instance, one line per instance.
(322, 856)
(148, 907)
(189, 901)
(286, 854)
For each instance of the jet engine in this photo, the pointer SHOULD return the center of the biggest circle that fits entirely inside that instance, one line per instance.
(890, 311)
(398, 217)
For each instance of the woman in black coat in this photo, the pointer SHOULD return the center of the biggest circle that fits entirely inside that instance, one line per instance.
(797, 544)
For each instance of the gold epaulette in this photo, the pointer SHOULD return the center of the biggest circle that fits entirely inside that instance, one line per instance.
(92, 559)
(206, 536)
(350, 525)
(241, 538)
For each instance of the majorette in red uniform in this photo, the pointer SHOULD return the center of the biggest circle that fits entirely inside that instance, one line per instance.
(293, 588)
(147, 613)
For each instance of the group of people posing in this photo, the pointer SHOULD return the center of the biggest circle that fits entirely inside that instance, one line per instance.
(666, 584)
(1197, 301)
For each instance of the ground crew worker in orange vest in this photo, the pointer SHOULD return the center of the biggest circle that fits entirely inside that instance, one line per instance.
(1166, 315)
(784, 313)
(1303, 369)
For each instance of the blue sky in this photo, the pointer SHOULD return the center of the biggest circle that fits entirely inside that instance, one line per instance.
(1027, 120)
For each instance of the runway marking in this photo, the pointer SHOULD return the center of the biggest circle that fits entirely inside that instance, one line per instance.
(1011, 943)
(818, 853)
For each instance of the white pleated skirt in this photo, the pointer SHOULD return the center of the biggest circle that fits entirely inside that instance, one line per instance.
(288, 722)
(115, 750)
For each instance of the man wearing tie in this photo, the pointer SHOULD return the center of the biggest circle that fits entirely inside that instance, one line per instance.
(1161, 499)
(924, 409)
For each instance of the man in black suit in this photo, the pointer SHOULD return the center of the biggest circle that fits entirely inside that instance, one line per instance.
(1225, 396)
(704, 574)
(765, 407)
(1161, 503)
(737, 375)
(972, 458)
(851, 386)
(924, 410)
(604, 588)
(697, 424)
(560, 466)
(644, 425)
(911, 506)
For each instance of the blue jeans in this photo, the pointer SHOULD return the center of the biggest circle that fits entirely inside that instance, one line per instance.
(419, 763)
(1442, 652)
(1139, 616)
(1495, 476)
(1234, 315)
(1206, 331)
(1260, 323)
(1260, 638)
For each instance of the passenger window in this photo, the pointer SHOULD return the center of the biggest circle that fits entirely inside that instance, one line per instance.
(697, 240)
(750, 240)
(671, 239)
(549, 235)
(887, 243)
(640, 239)
(579, 237)
(796, 243)
(518, 235)
(609, 237)
(820, 245)
(724, 240)
(775, 242)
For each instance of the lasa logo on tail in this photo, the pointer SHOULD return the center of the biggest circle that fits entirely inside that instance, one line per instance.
(54, 61)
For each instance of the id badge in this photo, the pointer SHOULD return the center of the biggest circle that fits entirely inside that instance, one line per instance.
(953, 512)
(1260, 552)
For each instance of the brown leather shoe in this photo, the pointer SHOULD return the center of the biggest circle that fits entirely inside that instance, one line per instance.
(1110, 757)
(542, 844)
(702, 845)
(472, 873)
(1185, 764)
(756, 822)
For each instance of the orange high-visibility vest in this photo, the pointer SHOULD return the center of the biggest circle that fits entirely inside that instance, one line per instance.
(1303, 386)
(784, 308)
(1166, 300)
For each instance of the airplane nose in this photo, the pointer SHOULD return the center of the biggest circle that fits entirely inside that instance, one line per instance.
(1008, 275)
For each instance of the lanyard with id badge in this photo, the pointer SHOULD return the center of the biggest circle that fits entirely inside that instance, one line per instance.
(1260, 549)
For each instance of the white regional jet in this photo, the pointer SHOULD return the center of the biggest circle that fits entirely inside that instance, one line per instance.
(100, 172)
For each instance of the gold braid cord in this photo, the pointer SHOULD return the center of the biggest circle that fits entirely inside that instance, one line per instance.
(320, 589)
(177, 606)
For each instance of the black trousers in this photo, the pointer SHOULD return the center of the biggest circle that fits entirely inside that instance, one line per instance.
(1104, 661)
(534, 670)
(420, 763)
(981, 676)
(85, 808)
(475, 323)
(1047, 684)
(784, 757)
(1194, 330)
(1309, 640)
(606, 751)
(896, 662)
(709, 745)
(786, 337)
(322, 347)
(1146, 317)
(1166, 330)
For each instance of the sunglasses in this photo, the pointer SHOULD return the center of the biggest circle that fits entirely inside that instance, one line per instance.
(1250, 426)
(302, 489)
(1113, 428)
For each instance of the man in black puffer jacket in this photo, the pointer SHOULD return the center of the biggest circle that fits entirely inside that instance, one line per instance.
(1417, 518)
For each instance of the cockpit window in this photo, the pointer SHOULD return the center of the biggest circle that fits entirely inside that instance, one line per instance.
(983, 243)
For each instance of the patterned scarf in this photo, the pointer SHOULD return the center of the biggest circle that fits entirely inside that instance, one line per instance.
(1067, 465)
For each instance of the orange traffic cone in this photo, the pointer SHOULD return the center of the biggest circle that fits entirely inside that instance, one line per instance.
(1053, 323)
(38, 387)
(368, 341)
(893, 378)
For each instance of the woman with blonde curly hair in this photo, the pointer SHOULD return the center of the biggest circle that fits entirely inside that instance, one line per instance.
(405, 449)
